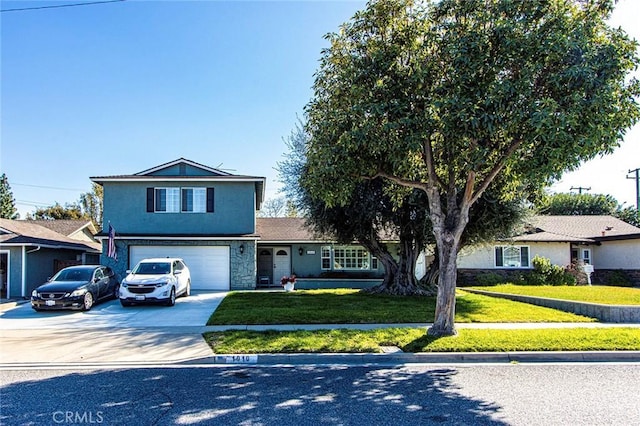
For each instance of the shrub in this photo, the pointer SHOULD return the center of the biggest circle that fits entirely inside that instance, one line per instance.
(546, 273)
(490, 279)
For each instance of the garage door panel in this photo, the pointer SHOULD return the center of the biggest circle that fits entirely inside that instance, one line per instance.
(209, 265)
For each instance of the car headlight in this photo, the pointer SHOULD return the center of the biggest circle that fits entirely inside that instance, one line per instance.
(34, 293)
(162, 283)
(124, 284)
(78, 292)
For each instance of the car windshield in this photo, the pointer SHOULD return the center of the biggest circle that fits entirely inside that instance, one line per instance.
(73, 275)
(152, 268)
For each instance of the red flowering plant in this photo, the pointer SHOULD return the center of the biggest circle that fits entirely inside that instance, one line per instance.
(284, 280)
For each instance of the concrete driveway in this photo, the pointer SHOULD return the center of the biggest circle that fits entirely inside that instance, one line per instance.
(108, 333)
(192, 311)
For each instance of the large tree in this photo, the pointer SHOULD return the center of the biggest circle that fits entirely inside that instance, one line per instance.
(586, 204)
(8, 208)
(451, 96)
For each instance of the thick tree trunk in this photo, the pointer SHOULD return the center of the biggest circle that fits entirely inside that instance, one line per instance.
(429, 282)
(400, 279)
(444, 322)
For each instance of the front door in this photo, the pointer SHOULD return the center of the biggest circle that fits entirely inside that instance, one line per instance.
(281, 263)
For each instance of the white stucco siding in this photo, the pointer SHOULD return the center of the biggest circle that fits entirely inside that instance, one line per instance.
(483, 257)
(617, 255)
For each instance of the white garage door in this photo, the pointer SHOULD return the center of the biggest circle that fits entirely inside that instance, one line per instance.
(209, 265)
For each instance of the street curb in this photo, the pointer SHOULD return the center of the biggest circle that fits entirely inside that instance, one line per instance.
(423, 358)
(5, 306)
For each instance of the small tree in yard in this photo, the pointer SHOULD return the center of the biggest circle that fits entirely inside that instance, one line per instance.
(454, 96)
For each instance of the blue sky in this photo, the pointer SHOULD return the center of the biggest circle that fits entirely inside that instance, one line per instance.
(121, 87)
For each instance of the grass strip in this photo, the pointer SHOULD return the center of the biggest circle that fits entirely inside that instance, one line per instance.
(416, 340)
(607, 295)
(354, 307)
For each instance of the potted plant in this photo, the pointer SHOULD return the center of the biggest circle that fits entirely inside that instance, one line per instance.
(288, 283)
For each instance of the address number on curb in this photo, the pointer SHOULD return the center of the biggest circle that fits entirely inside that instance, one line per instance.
(241, 359)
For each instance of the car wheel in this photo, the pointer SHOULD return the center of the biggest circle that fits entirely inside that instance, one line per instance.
(124, 303)
(187, 292)
(172, 297)
(87, 303)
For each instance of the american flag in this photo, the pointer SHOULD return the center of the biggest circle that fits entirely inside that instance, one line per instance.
(111, 249)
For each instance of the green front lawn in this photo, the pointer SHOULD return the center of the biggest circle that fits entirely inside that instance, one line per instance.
(353, 307)
(416, 340)
(606, 295)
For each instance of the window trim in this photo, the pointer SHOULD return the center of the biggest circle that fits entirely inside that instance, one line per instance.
(502, 248)
(203, 200)
(207, 200)
(332, 258)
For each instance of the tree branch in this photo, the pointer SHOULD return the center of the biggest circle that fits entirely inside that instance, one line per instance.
(495, 170)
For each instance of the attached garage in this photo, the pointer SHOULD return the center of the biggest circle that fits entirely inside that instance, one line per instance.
(209, 265)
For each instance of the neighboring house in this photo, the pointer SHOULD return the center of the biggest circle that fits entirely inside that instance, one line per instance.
(31, 253)
(605, 242)
(208, 217)
(81, 230)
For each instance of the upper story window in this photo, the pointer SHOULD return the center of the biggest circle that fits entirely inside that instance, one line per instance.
(194, 200)
(167, 200)
(176, 200)
(512, 256)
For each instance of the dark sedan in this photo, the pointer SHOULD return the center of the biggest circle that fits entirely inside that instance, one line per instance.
(76, 287)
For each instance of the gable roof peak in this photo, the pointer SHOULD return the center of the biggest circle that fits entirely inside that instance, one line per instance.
(183, 161)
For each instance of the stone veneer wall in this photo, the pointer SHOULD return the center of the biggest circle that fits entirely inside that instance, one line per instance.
(616, 276)
(469, 277)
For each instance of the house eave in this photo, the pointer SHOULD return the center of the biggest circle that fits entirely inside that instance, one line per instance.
(102, 179)
(235, 237)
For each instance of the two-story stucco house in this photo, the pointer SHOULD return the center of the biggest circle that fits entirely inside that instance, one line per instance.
(209, 218)
(189, 210)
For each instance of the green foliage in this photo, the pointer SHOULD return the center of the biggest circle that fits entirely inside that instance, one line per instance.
(586, 204)
(458, 97)
(8, 208)
(355, 307)
(577, 204)
(629, 215)
(414, 340)
(593, 294)
(546, 273)
(490, 279)
(70, 211)
(91, 204)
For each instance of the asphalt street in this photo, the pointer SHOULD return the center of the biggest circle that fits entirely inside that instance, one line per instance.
(505, 394)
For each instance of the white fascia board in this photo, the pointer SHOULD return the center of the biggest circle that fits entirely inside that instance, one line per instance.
(52, 246)
(169, 238)
(179, 179)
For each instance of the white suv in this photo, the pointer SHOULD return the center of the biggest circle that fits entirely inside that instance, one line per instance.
(158, 280)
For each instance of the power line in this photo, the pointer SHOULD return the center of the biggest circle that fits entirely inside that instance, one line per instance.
(60, 5)
(47, 187)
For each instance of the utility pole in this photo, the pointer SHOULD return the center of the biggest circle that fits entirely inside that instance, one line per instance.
(580, 189)
(637, 178)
